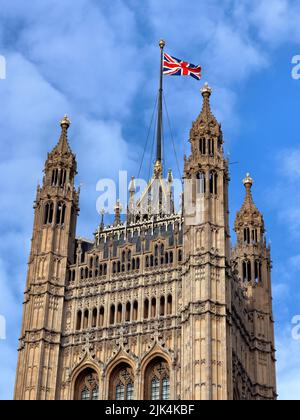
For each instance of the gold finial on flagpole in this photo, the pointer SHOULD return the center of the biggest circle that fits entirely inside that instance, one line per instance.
(162, 44)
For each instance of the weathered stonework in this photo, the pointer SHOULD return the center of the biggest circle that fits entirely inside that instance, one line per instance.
(158, 307)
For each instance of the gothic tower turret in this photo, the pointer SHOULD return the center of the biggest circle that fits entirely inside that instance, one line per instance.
(52, 249)
(252, 259)
(206, 295)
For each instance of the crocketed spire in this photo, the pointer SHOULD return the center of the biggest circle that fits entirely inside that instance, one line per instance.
(206, 123)
(62, 153)
(63, 146)
(249, 219)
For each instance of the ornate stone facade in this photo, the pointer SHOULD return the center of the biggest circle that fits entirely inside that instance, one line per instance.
(157, 307)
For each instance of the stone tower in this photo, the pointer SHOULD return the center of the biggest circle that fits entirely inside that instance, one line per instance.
(252, 259)
(206, 259)
(157, 306)
(52, 250)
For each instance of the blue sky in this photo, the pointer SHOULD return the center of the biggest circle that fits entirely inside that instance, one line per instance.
(98, 62)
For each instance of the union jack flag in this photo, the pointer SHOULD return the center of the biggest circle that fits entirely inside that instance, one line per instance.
(174, 67)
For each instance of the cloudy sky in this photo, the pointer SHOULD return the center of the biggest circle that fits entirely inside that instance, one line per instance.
(97, 61)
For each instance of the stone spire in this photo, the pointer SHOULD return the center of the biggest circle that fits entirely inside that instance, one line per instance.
(63, 148)
(118, 209)
(249, 218)
(206, 121)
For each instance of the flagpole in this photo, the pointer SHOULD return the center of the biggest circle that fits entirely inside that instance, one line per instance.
(158, 164)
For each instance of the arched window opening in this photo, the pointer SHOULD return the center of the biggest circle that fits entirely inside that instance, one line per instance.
(119, 314)
(211, 147)
(180, 255)
(78, 322)
(54, 179)
(258, 271)
(87, 386)
(86, 272)
(166, 258)
(146, 309)
(157, 380)
(147, 262)
(121, 385)
(118, 267)
(153, 308)
(94, 318)
(151, 261)
(114, 268)
(156, 250)
(213, 182)
(138, 263)
(135, 311)
(247, 271)
(202, 145)
(200, 183)
(86, 319)
(133, 264)
(112, 315)
(247, 236)
(101, 317)
(48, 213)
(129, 256)
(169, 305)
(60, 213)
(162, 306)
(128, 312)
(171, 257)
(254, 236)
(81, 273)
(62, 176)
(123, 256)
(105, 269)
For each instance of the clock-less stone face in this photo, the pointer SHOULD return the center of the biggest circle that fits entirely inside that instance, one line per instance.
(159, 307)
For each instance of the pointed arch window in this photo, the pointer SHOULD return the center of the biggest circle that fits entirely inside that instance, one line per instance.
(146, 309)
(54, 179)
(48, 213)
(86, 319)
(62, 177)
(60, 213)
(180, 255)
(162, 306)
(247, 271)
(78, 322)
(157, 380)
(119, 313)
(254, 236)
(112, 314)
(247, 235)
(135, 311)
(94, 318)
(122, 383)
(213, 182)
(258, 271)
(202, 145)
(153, 308)
(101, 317)
(211, 147)
(87, 386)
(201, 183)
(128, 312)
(169, 305)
